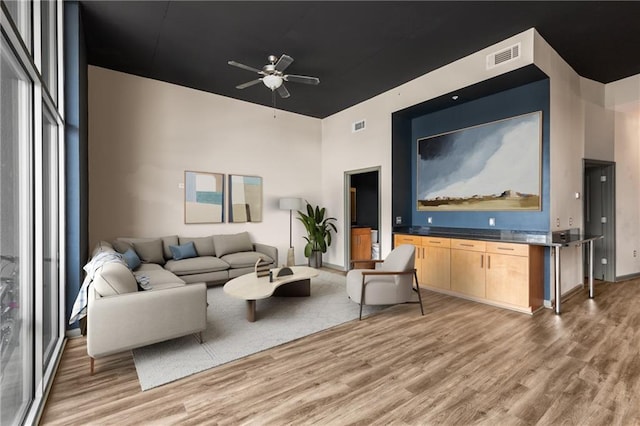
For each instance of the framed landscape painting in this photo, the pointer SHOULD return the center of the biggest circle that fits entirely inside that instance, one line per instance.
(203, 197)
(492, 166)
(245, 194)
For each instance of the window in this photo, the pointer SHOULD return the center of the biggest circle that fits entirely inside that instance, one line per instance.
(32, 323)
(20, 11)
(48, 11)
(50, 264)
(16, 362)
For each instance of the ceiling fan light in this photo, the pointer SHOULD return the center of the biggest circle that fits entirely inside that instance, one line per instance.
(272, 81)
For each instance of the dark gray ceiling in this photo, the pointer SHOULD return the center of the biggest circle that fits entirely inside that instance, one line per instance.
(357, 49)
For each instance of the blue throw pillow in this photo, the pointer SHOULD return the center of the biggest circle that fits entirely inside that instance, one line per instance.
(183, 251)
(132, 259)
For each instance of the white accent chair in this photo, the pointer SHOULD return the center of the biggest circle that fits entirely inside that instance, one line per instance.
(392, 283)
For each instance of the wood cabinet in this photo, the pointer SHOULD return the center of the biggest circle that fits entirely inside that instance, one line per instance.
(435, 262)
(468, 267)
(414, 240)
(432, 259)
(514, 274)
(360, 243)
(508, 275)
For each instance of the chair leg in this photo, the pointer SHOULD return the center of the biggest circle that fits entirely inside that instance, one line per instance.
(93, 363)
(199, 337)
(361, 299)
(415, 275)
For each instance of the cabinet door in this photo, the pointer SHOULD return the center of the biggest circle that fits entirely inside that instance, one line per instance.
(436, 262)
(468, 272)
(416, 242)
(436, 267)
(360, 243)
(508, 279)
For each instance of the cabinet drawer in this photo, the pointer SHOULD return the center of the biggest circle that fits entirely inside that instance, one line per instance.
(507, 248)
(407, 239)
(360, 231)
(436, 242)
(471, 245)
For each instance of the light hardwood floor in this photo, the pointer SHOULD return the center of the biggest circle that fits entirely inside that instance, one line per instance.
(461, 363)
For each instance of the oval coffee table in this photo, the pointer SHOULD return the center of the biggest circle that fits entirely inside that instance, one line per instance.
(251, 288)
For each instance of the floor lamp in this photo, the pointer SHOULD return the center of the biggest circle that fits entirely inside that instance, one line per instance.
(290, 204)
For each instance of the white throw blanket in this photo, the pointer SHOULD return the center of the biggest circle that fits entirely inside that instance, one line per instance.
(80, 306)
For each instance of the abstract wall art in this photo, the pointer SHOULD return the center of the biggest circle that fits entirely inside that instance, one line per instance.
(492, 166)
(245, 198)
(203, 197)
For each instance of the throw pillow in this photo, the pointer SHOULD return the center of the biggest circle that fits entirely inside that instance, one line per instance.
(183, 251)
(150, 251)
(234, 243)
(170, 240)
(203, 245)
(132, 259)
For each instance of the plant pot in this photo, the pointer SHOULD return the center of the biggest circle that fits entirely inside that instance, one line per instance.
(315, 260)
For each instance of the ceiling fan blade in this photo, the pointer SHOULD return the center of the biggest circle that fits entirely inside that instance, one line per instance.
(301, 79)
(248, 84)
(244, 67)
(283, 62)
(283, 92)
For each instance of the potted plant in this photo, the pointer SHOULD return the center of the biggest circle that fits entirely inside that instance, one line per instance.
(318, 236)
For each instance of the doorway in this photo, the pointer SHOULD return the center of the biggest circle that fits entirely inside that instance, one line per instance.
(599, 217)
(362, 214)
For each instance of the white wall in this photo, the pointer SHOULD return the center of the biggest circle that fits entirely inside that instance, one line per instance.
(143, 135)
(598, 122)
(567, 151)
(623, 101)
(344, 151)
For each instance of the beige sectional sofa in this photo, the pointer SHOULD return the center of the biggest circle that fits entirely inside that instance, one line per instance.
(122, 316)
(219, 257)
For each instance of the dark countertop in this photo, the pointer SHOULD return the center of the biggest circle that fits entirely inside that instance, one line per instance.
(549, 239)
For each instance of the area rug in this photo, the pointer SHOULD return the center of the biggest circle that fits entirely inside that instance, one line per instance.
(229, 336)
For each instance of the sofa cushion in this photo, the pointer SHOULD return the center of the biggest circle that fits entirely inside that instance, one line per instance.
(148, 267)
(150, 251)
(161, 278)
(196, 265)
(171, 240)
(183, 251)
(132, 259)
(114, 278)
(232, 243)
(245, 259)
(121, 246)
(203, 245)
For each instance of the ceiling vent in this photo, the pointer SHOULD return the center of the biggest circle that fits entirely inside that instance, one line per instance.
(503, 56)
(358, 126)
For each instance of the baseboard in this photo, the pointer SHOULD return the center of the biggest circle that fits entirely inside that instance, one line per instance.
(332, 266)
(628, 277)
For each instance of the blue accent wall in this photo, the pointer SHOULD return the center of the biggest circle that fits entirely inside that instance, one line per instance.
(75, 93)
(520, 100)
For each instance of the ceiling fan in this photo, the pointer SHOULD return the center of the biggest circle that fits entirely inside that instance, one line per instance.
(273, 76)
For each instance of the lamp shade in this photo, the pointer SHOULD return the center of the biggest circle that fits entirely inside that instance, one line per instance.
(272, 81)
(291, 203)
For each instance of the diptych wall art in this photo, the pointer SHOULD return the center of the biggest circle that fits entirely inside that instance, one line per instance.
(245, 194)
(203, 197)
(493, 166)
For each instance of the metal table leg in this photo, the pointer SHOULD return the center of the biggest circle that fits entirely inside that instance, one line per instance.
(556, 252)
(591, 269)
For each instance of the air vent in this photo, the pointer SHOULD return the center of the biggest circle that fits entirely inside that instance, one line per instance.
(503, 56)
(358, 126)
